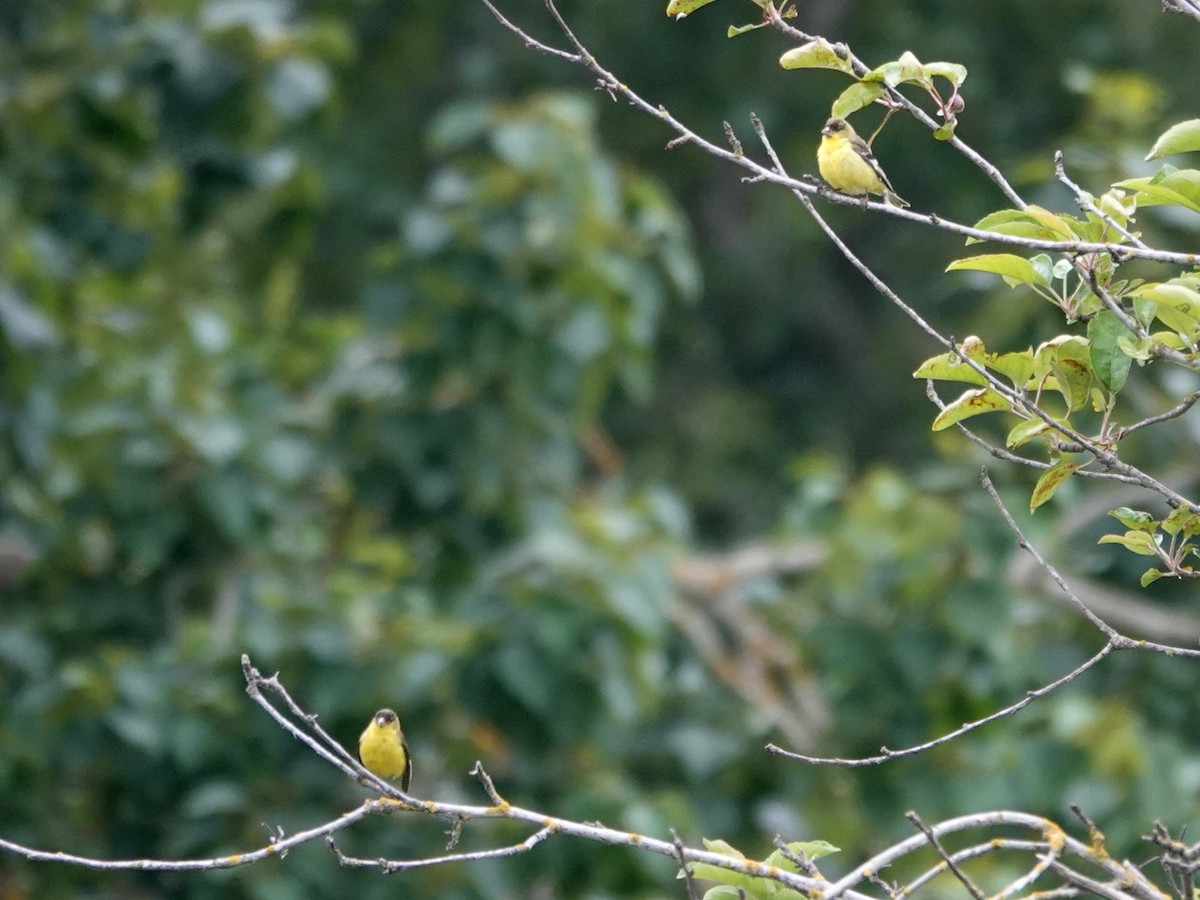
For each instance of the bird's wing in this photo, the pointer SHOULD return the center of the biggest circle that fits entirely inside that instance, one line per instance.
(406, 777)
(861, 148)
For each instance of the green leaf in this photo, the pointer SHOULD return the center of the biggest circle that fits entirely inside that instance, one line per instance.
(1072, 368)
(818, 54)
(905, 69)
(1179, 138)
(1012, 268)
(1150, 576)
(1032, 222)
(1134, 519)
(1025, 431)
(735, 30)
(1168, 187)
(955, 73)
(1109, 362)
(1052, 479)
(679, 8)
(858, 96)
(972, 403)
(1139, 542)
(945, 131)
(948, 367)
(1178, 294)
(1017, 366)
(1183, 520)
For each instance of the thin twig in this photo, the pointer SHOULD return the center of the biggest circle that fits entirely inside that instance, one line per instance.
(886, 753)
(918, 822)
(684, 868)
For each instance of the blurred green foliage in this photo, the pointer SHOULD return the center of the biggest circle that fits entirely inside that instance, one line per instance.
(354, 336)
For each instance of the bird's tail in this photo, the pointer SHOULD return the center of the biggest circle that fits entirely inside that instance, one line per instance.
(895, 199)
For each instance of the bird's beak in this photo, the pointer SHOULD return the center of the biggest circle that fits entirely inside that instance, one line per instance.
(826, 130)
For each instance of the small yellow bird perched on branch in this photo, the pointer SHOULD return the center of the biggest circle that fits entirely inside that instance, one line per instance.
(848, 164)
(383, 749)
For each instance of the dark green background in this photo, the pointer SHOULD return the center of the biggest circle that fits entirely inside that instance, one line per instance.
(357, 337)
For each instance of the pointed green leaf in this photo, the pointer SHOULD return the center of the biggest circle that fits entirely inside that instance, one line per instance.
(1052, 479)
(972, 403)
(858, 96)
(1012, 268)
(948, 367)
(1177, 188)
(1139, 542)
(1134, 519)
(1033, 222)
(1179, 138)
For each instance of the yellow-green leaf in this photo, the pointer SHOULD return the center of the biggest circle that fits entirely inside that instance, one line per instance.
(1052, 479)
(1012, 268)
(1139, 542)
(818, 54)
(1025, 431)
(679, 8)
(948, 367)
(1177, 188)
(972, 403)
(858, 96)
(1150, 576)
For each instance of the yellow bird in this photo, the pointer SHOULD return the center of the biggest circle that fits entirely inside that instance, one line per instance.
(848, 164)
(383, 749)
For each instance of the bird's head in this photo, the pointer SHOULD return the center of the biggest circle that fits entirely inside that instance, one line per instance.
(836, 125)
(384, 718)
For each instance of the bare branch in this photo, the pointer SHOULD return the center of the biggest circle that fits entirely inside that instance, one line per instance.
(886, 754)
(972, 888)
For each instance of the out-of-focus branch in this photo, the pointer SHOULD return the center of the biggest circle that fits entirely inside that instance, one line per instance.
(738, 646)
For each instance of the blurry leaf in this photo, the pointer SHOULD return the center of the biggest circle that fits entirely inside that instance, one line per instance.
(214, 798)
(24, 326)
